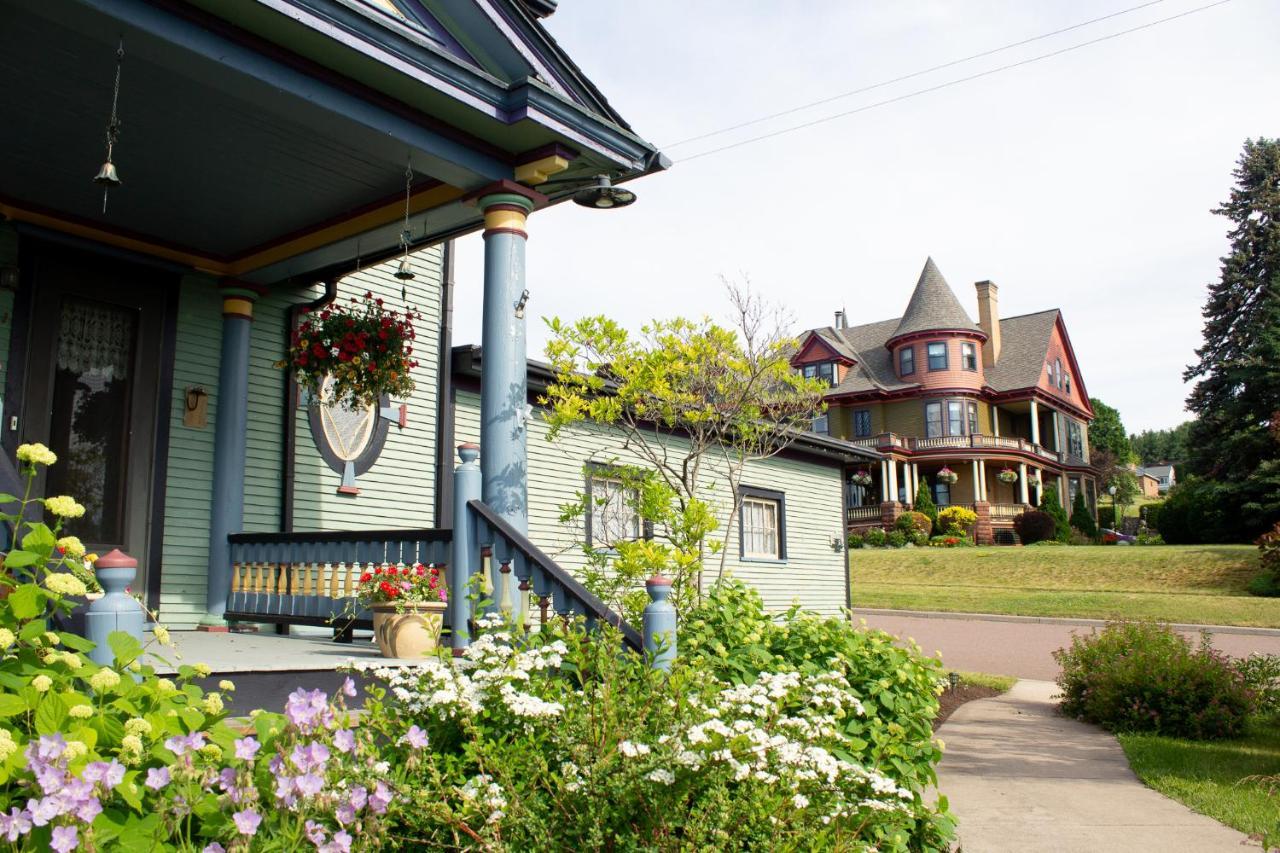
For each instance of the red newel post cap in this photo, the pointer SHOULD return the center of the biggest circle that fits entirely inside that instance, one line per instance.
(116, 559)
(657, 580)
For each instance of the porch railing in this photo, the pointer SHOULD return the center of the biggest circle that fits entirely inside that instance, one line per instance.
(1006, 512)
(1001, 442)
(862, 513)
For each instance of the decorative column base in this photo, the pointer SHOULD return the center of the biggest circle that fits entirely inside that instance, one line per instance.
(982, 532)
(889, 512)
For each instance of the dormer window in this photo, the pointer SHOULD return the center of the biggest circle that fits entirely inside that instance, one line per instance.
(826, 371)
(906, 361)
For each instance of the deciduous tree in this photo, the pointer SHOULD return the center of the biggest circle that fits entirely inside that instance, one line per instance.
(1107, 431)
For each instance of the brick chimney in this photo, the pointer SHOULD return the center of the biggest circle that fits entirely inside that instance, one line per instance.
(989, 320)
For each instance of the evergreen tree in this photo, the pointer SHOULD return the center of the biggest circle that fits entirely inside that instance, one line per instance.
(1049, 503)
(1162, 446)
(1236, 440)
(924, 502)
(1107, 431)
(1081, 518)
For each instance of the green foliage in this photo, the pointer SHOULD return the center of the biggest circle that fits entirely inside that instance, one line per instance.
(950, 540)
(1267, 583)
(1081, 518)
(896, 539)
(1051, 504)
(913, 521)
(1198, 511)
(1261, 674)
(1107, 432)
(924, 502)
(1162, 446)
(1143, 676)
(1150, 514)
(875, 538)
(1035, 526)
(1235, 441)
(956, 520)
(1107, 517)
(855, 540)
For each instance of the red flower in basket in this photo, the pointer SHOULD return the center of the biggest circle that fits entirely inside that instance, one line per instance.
(417, 583)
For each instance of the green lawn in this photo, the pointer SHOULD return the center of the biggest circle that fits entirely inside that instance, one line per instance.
(1209, 776)
(1175, 583)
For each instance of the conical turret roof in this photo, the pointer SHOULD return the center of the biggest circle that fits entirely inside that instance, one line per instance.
(933, 306)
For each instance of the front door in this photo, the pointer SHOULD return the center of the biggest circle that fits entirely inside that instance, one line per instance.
(92, 392)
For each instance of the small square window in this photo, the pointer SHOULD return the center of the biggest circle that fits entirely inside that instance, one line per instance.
(937, 355)
(763, 525)
(906, 361)
(968, 356)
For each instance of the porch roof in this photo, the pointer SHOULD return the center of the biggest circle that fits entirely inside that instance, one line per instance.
(268, 139)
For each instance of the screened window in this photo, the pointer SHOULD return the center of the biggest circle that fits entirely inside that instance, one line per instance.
(968, 356)
(762, 520)
(826, 371)
(937, 355)
(611, 510)
(862, 423)
(907, 361)
(932, 420)
(822, 424)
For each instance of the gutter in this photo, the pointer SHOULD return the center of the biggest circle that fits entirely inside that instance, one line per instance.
(289, 432)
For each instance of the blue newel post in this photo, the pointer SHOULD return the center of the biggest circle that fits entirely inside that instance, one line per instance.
(231, 426)
(466, 553)
(116, 610)
(504, 405)
(659, 626)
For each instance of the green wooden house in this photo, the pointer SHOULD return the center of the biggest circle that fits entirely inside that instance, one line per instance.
(254, 157)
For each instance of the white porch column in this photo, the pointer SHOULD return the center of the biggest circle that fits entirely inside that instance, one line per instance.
(1057, 441)
(1023, 492)
(893, 479)
(995, 420)
(1040, 488)
(907, 485)
(884, 480)
(915, 480)
(1035, 423)
(977, 483)
(982, 478)
(1062, 493)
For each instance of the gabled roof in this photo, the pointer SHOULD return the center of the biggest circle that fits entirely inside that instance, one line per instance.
(933, 305)
(1024, 346)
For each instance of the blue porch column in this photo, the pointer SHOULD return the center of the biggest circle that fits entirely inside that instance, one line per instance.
(504, 406)
(230, 429)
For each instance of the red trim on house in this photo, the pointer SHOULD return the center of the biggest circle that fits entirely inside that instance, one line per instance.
(932, 334)
(814, 342)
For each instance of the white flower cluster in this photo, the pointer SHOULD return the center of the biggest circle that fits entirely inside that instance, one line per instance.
(488, 794)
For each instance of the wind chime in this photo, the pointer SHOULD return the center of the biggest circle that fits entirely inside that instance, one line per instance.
(405, 272)
(107, 176)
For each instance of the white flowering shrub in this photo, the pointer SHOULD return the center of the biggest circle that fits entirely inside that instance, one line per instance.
(560, 736)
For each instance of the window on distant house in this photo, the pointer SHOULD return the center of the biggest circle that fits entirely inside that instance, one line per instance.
(937, 355)
(932, 420)
(968, 356)
(762, 524)
(822, 424)
(611, 509)
(906, 361)
(942, 494)
(826, 371)
(862, 423)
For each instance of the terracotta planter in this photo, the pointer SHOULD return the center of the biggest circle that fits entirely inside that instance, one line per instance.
(409, 630)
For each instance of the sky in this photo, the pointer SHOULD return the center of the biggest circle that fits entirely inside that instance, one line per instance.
(1084, 181)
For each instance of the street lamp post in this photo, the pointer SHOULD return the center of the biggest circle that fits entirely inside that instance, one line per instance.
(1115, 510)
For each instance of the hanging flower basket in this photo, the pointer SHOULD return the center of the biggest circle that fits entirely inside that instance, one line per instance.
(365, 348)
(861, 478)
(1008, 475)
(946, 475)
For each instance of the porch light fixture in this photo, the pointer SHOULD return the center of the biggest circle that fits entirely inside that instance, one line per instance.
(603, 195)
(405, 272)
(523, 301)
(108, 176)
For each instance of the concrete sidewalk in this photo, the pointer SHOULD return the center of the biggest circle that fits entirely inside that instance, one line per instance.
(1020, 777)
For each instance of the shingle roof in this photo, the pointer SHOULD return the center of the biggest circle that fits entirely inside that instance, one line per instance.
(1024, 346)
(933, 305)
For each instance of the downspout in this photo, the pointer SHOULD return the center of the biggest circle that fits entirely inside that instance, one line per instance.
(289, 433)
(445, 400)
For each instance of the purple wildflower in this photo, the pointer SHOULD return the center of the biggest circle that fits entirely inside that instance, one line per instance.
(349, 688)
(284, 790)
(344, 740)
(415, 737)
(157, 778)
(45, 809)
(345, 813)
(308, 710)
(315, 833)
(179, 745)
(65, 839)
(48, 748)
(247, 748)
(380, 798)
(276, 765)
(109, 775)
(359, 796)
(247, 821)
(341, 843)
(311, 756)
(15, 824)
(309, 784)
(214, 847)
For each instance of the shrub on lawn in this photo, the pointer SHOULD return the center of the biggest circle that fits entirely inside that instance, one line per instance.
(912, 522)
(1199, 512)
(1082, 519)
(854, 540)
(1150, 513)
(1050, 503)
(1143, 676)
(924, 502)
(895, 539)
(950, 540)
(1267, 581)
(1034, 526)
(1107, 517)
(956, 520)
(874, 538)
(1261, 674)
(918, 537)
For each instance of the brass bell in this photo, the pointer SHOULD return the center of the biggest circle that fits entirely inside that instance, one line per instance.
(404, 272)
(107, 176)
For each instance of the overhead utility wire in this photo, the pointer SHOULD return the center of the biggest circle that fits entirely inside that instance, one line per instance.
(910, 76)
(950, 83)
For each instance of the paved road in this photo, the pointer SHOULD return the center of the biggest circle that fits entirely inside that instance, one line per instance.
(1023, 649)
(1021, 778)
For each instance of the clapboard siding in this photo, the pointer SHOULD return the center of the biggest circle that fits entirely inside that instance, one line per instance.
(813, 573)
(399, 490)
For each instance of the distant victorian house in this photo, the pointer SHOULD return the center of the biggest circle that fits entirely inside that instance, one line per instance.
(984, 415)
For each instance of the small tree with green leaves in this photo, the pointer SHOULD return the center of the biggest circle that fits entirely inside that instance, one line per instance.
(1050, 503)
(694, 402)
(1081, 518)
(924, 502)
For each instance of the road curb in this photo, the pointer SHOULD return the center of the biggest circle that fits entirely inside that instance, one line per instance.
(1056, 620)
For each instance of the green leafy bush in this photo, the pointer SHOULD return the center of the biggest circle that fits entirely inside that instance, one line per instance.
(1261, 674)
(854, 540)
(1198, 512)
(918, 538)
(1081, 518)
(1267, 581)
(950, 540)
(924, 502)
(896, 539)
(1034, 526)
(912, 522)
(1143, 676)
(1107, 517)
(875, 538)
(1051, 504)
(956, 520)
(1150, 513)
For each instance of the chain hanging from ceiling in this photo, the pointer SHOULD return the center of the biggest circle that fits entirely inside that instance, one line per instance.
(108, 176)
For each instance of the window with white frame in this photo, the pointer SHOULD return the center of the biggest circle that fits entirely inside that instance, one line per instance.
(762, 524)
(611, 509)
